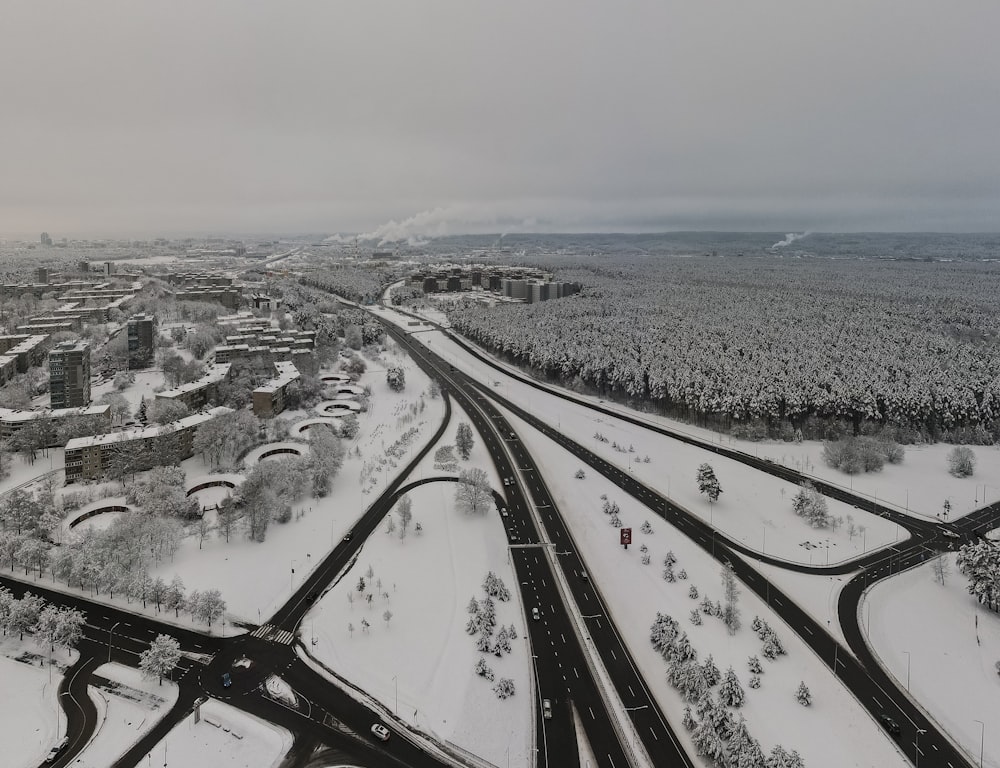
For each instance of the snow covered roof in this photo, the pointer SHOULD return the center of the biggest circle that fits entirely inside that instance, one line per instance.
(143, 433)
(10, 415)
(216, 373)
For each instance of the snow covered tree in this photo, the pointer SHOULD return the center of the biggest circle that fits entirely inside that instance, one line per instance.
(731, 611)
(395, 377)
(473, 494)
(208, 606)
(579, 474)
(707, 742)
(326, 457)
(483, 669)
(708, 483)
(387, 617)
(688, 720)
(493, 586)
(349, 426)
(682, 574)
(940, 569)
(695, 618)
(464, 440)
(754, 682)
(979, 562)
(753, 664)
(404, 508)
(160, 659)
(810, 504)
(731, 692)
(802, 695)
(962, 461)
(504, 688)
(174, 598)
(502, 643)
(693, 592)
(646, 527)
(710, 671)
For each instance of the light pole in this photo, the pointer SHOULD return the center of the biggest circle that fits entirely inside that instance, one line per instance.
(395, 686)
(916, 747)
(907, 671)
(110, 633)
(982, 740)
(763, 538)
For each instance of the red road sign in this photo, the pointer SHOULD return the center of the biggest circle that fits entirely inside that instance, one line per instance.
(626, 536)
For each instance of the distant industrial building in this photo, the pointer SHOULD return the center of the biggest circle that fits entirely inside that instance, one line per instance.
(227, 297)
(140, 330)
(45, 239)
(92, 458)
(69, 375)
(269, 399)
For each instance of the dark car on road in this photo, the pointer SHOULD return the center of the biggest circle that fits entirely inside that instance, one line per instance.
(890, 725)
(227, 680)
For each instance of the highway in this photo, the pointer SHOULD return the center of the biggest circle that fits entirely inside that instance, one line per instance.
(860, 672)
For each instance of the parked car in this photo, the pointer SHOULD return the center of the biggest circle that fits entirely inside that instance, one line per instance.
(380, 732)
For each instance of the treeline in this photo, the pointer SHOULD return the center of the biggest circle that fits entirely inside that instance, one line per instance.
(770, 346)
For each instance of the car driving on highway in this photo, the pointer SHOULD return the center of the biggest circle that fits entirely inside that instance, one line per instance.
(380, 732)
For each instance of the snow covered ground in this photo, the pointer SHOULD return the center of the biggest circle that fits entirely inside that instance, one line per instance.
(947, 645)
(635, 592)
(318, 524)
(755, 508)
(919, 485)
(224, 738)
(31, 720)
(420, 663)
(129, 706)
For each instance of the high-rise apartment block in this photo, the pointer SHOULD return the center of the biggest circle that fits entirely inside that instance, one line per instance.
(140, 330)
(69, 375)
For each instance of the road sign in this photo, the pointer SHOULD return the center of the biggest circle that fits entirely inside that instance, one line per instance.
(626, 535)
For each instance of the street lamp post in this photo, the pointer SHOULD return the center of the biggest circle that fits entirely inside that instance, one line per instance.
(110, 633)
(982, 740)
(907, 671)
(395, 687)
(916, 747)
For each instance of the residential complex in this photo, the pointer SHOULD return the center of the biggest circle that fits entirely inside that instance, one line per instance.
(69, 375)
(516, 283)
(197, 394)
(269, 399)
(95, 457)
(50, 422)
(140, 330)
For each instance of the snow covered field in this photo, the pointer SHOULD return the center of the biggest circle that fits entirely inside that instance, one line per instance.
(636, 592)
(225, 738)
(30, 719)
(128, 707)
(419, 664)
(919, 485)
(300, 544)
(949, 659)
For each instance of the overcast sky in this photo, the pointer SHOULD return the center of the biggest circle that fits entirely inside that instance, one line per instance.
(414, 117)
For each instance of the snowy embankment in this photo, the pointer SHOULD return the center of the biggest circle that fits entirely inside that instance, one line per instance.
(128, 707)
(282, 562)
(636, 592)
(947, 662)
(225, 737)
(419, 662)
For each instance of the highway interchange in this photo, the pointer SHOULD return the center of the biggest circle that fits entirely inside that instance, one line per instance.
(580, 661)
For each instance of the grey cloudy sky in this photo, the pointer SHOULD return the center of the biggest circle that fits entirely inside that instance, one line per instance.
(415, 117)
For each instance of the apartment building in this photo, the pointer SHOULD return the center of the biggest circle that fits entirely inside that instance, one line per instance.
(69, 375)
(269, 399)
(93, 458)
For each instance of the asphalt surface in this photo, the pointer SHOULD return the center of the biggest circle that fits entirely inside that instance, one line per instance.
(561, 664)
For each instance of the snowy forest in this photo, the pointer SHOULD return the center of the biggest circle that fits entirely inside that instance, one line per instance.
(769, 345)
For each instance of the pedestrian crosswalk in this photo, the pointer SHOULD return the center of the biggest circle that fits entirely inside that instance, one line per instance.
(273, 634)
